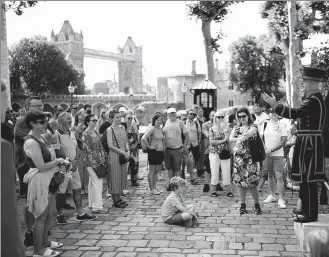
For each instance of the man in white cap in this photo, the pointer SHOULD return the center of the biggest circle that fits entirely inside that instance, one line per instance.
(176, 138)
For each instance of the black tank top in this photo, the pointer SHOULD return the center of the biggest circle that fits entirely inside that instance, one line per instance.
(44, 151)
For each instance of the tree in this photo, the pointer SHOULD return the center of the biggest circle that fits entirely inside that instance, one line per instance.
(18, 6)
(312, 18)
(208, 11)
(42, 66)
(256, 65)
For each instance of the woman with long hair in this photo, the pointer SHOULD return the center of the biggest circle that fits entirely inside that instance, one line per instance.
(94, 157)
(118, 145)
(101, 119)
(219, 154)
(41, 157)
(246, 172)
(153, 140)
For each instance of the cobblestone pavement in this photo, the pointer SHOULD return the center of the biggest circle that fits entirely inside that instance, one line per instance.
(138, 230)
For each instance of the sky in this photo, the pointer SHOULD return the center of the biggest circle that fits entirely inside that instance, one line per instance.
(170, 39)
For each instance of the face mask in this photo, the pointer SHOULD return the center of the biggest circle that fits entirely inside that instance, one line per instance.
(88, 111)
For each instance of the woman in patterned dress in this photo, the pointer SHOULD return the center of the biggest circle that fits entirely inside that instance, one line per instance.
(117, 142)
(94, 156)
(246, 172)
(133, 139)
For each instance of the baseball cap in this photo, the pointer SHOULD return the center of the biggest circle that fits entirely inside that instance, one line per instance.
(171, 110)
(122, 109)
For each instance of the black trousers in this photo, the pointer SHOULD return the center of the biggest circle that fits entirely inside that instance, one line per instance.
(21, 173)
(196, 156)
(308, 194)
(133, 167)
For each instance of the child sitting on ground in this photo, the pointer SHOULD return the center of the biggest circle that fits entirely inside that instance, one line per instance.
(174, 210)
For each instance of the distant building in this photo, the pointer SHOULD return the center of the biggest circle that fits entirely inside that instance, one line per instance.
(106, 87)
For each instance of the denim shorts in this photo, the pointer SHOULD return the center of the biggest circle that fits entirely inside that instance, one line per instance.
(273, 164)
(173, 159)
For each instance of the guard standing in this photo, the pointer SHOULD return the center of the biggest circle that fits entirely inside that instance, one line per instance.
(308, 164)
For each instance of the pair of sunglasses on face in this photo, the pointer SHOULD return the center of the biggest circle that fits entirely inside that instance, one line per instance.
(42, 122)
(242, 116)
(220, 117)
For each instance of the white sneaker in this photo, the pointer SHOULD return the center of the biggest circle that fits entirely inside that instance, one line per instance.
(155, 192)
(108, 194)
(125, 192)
(270, 199)
(282, 204)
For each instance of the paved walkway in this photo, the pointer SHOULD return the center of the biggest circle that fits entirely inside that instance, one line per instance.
(138, 230)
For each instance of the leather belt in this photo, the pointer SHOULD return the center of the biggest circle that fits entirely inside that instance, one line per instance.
(309, 132)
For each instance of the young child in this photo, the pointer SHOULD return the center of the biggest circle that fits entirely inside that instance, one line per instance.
(174, 210)
(318, 242)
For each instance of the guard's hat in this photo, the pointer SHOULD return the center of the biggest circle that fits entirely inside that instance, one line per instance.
(313, 73)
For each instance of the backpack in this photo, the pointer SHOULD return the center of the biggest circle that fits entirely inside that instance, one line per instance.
(104, 141)
(263, 137)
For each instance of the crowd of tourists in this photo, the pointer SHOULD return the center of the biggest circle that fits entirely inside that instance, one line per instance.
(73, 151)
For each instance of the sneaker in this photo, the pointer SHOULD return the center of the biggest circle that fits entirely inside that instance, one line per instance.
(282, 204)
(140, 177)
(85, 216)
(125, 192)
(101, 211)
(270, 199)
(67, 206)
(155, 192)
(61, 220)
(28, 240)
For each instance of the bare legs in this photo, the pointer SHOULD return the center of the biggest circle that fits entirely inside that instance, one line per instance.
(153, 175)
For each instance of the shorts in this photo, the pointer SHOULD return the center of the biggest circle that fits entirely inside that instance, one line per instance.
(74, 183)
(155, 157)
(273, 164)
(173, 159)
(176, 219)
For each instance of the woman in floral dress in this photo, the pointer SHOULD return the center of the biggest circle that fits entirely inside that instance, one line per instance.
(246, 172)
(94, 156)
(133, 138)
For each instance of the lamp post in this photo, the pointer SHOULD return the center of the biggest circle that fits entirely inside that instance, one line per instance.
(184, 89)
(71, 90)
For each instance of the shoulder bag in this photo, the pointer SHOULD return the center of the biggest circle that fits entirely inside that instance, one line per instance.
(122, 157)
(257, 149)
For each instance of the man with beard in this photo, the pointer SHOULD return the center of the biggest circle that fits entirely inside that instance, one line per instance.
(308, 164)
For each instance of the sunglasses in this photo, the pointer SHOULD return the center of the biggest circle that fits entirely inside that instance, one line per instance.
(220, 117)
(129, 118)
(242, 116)
(42, 122)
(94, 120)
(75, 108)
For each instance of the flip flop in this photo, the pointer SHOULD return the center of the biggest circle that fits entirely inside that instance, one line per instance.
(54, 245)
(47, 253)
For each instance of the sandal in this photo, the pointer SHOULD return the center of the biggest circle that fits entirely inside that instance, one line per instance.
(193, 182)
(123, 203)
(54, 245)
(47, 253)
(214, 194)
(229, 194)
(257, 209)
(118, 204)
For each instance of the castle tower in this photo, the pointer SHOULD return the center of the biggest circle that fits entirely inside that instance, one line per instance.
(131, 72)
(71, 44)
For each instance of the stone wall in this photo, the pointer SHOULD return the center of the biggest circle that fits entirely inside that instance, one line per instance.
(145, 111)
(4, 53)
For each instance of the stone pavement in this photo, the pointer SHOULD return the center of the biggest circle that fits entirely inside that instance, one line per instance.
(138, 230)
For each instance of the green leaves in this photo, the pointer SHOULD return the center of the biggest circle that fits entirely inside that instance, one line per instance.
(42, 66)
(18, 6)
(256, 64)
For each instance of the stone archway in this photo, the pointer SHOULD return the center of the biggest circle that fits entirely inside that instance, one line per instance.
(97, 107)
(15, 107)
(118, 105)
(47, 108)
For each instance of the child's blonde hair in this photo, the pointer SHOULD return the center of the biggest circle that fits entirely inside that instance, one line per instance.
(176, 182)
(318, 242)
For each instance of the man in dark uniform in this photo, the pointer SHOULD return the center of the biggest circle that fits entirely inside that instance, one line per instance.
(308, 164)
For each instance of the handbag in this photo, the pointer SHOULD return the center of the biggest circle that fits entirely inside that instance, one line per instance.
(225, 154)
(101, 171)
(257, 149)
(56, 181)
(122, 158)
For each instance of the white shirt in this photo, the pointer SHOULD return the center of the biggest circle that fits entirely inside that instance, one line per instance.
(69, 144)
(261, 119)
(272, 136)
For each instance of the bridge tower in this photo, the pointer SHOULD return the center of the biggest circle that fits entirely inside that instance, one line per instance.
(131, 72)
(71, 44)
